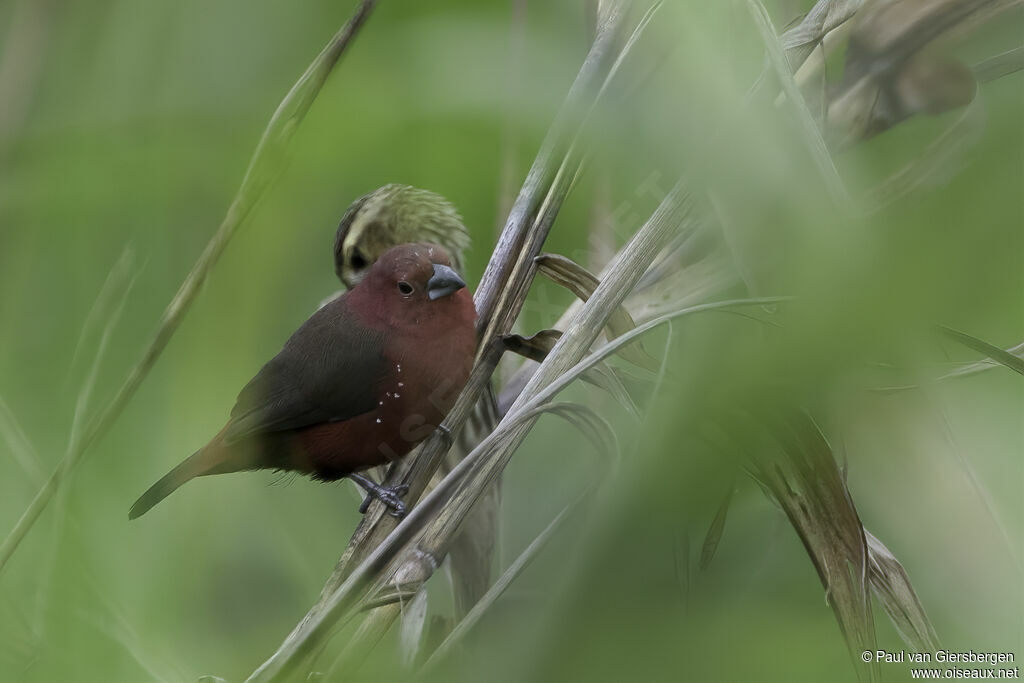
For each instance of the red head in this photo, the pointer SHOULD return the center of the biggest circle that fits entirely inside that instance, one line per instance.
(412, 284)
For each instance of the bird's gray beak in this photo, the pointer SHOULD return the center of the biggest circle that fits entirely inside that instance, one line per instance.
(445, 281)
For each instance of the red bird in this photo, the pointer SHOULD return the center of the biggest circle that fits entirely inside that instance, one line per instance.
(365, 379)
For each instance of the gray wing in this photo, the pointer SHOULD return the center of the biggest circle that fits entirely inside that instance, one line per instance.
(328, 371)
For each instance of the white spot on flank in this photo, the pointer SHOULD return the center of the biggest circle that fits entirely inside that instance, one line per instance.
(400, 384)
(378, 420)
(398, 396)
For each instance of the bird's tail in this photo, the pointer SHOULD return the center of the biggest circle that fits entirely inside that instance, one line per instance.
(207, 460)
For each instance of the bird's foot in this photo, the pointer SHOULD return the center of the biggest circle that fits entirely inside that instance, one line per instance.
(391, 496)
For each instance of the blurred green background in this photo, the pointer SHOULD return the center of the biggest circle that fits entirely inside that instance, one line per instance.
(128, 125)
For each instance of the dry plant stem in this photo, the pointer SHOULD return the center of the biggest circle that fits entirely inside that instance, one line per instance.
(824, 17)
(522, 374)
(622, 275)
(814, 66)
(263, 170)
(600, 235)
(541, 176)
(812, 135)
(374, 627)
(499, 298)
(511, 134)
(803, 478)
(893, 589)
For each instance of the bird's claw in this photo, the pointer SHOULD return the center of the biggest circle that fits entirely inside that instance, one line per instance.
(390, 496)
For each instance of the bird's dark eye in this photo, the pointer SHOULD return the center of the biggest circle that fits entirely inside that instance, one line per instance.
(358, 260)
(405, 288)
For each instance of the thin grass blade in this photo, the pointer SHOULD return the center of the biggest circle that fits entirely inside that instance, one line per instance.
(1004, 358)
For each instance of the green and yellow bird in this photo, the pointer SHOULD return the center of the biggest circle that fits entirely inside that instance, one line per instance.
(393, 215)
